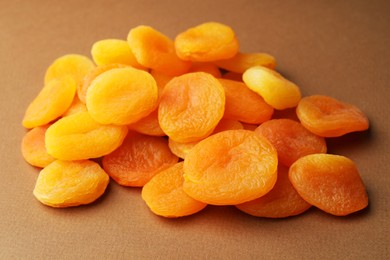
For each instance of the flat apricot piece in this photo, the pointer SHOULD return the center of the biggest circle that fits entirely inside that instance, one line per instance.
(209, 41)
(243, 61)
(182, 149)
(113, 51)
(52, 101)
(122, 96)
(138, 159)
(281, 202)
(291, 140)
(33, 147)
(230, 167)
(276, 90)
(71, 65)
(329, 117)
(155, 50)
(70, 183)
(191, 106)
(148, 125)
(82, 88)
(243, 104)
(78, 137)
(330, 182)
(165, 197)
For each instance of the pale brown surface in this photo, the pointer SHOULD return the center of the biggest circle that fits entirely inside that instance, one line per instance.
(337, 48)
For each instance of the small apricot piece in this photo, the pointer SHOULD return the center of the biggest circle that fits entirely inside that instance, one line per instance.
(165, 197)
(243, 61)
(154, 50)
(52, 101)
(206, 67)
(138, 159)
(209, 41)
(243, 104)
(230, 167)
(78, 137)
(71, 65)
(70, 183)
(329, 117)
(330, 182)
(276, 90)
(76, 107)
(113, 51)
(82, 88)
(191, 106)
(281, 202)
(122, 96)
(33, 147)
(148, 125)
(232, 76)
(291, 140)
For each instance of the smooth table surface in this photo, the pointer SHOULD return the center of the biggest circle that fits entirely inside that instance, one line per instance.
(335, 48)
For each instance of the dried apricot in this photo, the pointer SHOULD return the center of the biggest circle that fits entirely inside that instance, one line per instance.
(33, 147)
(330, 182)
(243, 61)
(70, 183)
(78, 137)
(138, 159)
(291, 140)
(209, 41)
(52, 101)
(276, 90)
(281, 202)
(206, 67)
(165, 197)
(243, 104)
(191, 106)
(76, 107)
(122, 96)
(230, 167)
(148, 125)
(154, 50)
(329, 117)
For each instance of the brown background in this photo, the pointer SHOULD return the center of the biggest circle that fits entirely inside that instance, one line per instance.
(336, 48)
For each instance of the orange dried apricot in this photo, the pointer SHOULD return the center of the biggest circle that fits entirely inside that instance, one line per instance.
(276, 90)
(71, 65)
(243, 104)
(164, 194)
(78, 137)
(76, 107)
(33, 147)
(209, 41)
(243, 61)
(138, 159)
(291, 140)
(154, 50)
(113, 51)
(230, 167)
(206, 67)
(281, 202)
(148, 125)
(51, 102)
(121, 96)
(70, 183)
(232, 76)
(330, 182)
(191, 106)
(329, 117)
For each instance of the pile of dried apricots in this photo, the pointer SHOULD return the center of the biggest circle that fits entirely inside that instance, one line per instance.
(192, 121)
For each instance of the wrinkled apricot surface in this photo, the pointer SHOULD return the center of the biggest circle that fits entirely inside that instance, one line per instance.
(230, 167)
(291, 140)
(165, 197)
(138, 159)
(281, 202)
(329, 117)
(191, 106)
(70, 183)
(330, 182)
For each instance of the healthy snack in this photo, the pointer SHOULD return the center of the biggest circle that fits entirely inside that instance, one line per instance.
(70, 183)
(329, 117)
(138, 159)
(230, 167)
(330, 182)
(165, 197)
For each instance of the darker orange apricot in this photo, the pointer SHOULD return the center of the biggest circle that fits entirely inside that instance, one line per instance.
(243, 61)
